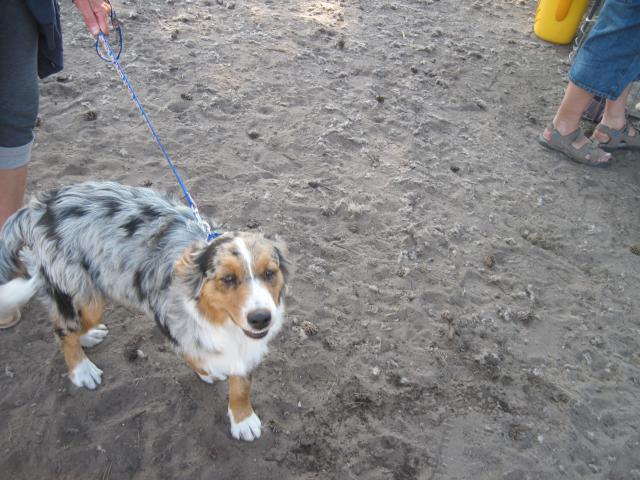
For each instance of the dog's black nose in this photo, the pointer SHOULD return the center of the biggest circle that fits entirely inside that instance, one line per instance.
(259, 319)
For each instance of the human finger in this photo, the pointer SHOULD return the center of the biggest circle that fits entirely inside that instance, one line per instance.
(102, 12)
(88, 16)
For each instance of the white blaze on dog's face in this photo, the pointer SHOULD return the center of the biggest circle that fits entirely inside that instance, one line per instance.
(244, 281)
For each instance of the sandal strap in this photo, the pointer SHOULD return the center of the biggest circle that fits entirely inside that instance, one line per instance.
(612, 132)
(567, 139)
(590, 148)
(621, 136)
(615, 136)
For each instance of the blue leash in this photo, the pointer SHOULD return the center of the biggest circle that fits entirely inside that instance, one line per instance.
(113, 58)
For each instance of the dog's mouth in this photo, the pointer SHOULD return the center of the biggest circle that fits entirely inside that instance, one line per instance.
(256, 335)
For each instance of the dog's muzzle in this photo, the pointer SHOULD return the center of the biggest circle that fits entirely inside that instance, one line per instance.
(259, 320)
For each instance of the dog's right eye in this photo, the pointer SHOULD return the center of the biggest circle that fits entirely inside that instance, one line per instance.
(230, 280)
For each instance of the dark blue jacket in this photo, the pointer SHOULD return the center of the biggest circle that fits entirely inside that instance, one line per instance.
(47, 16)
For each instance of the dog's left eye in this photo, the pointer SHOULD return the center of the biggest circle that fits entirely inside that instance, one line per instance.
(269, 274)
(230, 280)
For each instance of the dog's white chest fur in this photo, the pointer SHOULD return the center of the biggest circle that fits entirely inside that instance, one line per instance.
(235, 353)
(224, 349)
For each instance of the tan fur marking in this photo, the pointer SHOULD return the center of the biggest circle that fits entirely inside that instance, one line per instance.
(69, 343)
(266, 262)
(218, 301)
(72, 350)
(265, 257)
(184, 263)
(239, 401)
(91, 314)
(194, 364)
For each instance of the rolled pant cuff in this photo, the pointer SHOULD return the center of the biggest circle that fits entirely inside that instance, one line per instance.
(15, 157)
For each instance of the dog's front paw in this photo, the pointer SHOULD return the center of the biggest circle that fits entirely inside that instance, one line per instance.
(210, 378)
(86, 374)
(94, 336)
(248, 429)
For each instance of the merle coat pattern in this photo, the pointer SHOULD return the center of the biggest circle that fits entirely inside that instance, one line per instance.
(219, 303)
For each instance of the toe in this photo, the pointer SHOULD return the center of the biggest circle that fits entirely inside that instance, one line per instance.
(86, 374)
(94, 336)
(248, 429)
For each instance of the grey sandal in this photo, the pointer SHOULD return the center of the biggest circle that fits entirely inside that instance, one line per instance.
(588, 154)
(619, 139)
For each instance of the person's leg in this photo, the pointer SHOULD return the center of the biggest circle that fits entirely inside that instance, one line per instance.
(567, 118)
(19, 100)
(606, 63)
(615, 111)
(615, 118)
(19, 109)
(12, 186)
(567, 122)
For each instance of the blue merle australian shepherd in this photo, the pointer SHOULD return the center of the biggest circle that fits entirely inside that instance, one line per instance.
(219, 303)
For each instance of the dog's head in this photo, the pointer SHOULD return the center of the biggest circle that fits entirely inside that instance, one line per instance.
(238, 276)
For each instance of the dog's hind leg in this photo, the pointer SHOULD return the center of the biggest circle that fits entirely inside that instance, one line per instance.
(245, 424)
(93, 330)
(82, 371)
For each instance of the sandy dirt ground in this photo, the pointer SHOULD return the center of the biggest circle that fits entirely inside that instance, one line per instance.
(464, 303)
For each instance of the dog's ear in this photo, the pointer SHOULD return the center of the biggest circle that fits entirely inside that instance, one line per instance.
(194, 266)
(282, 251)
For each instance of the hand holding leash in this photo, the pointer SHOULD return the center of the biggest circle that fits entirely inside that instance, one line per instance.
(96, 15)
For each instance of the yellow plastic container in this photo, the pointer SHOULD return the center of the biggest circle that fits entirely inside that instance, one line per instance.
(557, 21)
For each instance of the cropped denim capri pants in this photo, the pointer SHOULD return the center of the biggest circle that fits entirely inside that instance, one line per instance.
(609, 59)
(18, 82)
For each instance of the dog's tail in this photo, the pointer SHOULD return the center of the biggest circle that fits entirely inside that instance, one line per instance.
(16, 286)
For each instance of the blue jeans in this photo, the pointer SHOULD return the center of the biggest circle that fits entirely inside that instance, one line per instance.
(609, 59)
